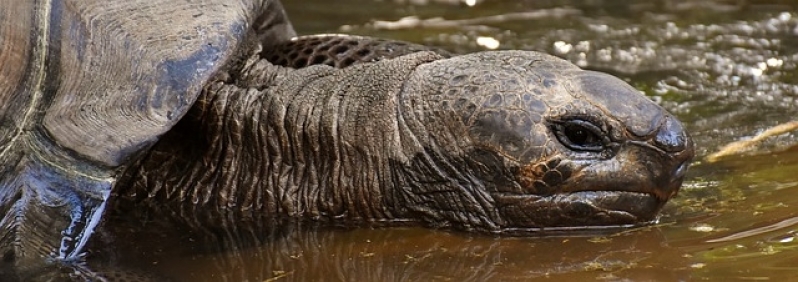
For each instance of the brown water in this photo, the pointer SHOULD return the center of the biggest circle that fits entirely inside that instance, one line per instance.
(726, 68)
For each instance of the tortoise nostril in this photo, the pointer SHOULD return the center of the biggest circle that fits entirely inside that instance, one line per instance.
(671, 137)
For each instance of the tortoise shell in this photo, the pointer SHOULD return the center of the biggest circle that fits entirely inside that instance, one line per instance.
(87, 85)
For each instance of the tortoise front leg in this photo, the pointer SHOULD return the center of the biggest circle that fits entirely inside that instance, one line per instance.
(52, 204)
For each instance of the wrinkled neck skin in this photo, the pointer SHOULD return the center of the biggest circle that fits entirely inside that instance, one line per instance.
(319, 143)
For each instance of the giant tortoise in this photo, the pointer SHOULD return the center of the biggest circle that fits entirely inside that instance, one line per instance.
(176, 104)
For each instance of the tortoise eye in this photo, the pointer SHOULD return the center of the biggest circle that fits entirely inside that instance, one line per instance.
(580, 135)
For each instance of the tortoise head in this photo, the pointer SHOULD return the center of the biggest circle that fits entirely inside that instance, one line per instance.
(550, 146)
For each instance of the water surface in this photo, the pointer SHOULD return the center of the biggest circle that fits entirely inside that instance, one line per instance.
(725, 68)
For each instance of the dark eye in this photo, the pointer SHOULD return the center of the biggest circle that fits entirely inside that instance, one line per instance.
(580, 135)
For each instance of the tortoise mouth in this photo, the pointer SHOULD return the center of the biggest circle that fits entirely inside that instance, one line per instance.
(577, 212)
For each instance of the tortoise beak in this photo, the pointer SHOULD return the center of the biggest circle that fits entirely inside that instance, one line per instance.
(625, 190)
(653, 165)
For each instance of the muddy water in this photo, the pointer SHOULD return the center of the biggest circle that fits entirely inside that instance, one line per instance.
(726, 68)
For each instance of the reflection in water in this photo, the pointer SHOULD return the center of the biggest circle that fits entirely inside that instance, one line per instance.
(302, 253)
(727, 68)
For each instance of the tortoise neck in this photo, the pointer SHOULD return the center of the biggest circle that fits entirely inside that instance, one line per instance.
(312, 144)
(328, 158)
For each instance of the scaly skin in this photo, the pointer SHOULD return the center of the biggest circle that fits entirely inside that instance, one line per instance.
(493, 141)
(340, 51)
